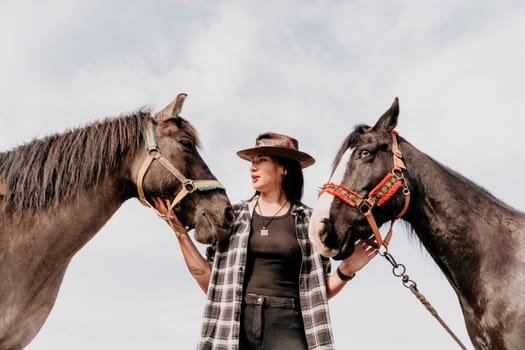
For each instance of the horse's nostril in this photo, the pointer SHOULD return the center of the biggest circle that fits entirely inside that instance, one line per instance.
(228, 215)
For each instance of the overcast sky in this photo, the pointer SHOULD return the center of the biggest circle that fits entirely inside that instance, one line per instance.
(311, 69)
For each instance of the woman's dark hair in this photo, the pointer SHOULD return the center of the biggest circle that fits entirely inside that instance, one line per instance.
(293, 181)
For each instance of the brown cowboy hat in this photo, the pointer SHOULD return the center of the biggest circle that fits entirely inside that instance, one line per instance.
(273, 144)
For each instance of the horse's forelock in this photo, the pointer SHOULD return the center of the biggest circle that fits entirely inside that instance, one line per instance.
(350, 142)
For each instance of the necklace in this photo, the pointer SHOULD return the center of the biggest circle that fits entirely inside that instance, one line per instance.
(264, 230)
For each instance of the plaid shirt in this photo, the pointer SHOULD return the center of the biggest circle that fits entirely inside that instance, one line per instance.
(221, 325)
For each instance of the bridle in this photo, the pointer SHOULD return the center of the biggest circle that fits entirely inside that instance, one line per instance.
(153, 153)
(379, 195)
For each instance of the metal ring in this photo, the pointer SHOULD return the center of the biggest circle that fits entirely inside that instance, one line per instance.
(189, 186)
(409, 284)
(153, 151)
(399, 267)
(364, 208)
(398, 173)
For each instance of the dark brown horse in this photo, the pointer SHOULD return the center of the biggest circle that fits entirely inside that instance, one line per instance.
(57, 192)
(476, 240)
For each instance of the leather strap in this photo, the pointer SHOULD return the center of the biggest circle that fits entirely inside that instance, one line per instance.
(188, 186)
(140, 177)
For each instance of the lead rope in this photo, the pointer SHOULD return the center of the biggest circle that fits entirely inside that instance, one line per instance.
(399, 270)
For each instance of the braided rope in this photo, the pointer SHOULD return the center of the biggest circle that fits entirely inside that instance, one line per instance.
(434, 313)
(399, 270)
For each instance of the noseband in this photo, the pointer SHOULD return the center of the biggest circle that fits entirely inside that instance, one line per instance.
(153, 153)
(379, 195)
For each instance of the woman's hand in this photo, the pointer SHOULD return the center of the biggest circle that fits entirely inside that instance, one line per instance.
(163, 211)
(361, 256)
(161, 207)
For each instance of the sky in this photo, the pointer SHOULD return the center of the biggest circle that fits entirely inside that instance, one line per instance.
(310, 69)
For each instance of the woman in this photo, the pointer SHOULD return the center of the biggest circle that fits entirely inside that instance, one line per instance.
(267, 288)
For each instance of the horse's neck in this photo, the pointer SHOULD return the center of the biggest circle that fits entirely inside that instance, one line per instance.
(57, 233)
(37, 246)
(458, 222)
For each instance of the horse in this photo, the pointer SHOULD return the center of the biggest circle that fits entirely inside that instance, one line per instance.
(476, 240)
(57, 192)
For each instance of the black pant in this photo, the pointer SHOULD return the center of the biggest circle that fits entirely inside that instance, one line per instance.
(271, 323)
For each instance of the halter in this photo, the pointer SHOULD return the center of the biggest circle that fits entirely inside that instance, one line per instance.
(153, 153)
(379, 195)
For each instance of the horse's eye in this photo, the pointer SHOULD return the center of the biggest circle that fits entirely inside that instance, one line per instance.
(364, 153)
(187, 143)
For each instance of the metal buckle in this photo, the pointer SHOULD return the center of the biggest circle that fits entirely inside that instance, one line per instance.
(365, 207)
(190, 186)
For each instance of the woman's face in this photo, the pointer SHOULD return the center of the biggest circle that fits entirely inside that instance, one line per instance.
(267, 175)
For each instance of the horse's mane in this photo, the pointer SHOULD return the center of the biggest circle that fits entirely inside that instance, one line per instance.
(349, 142)
(44, 171)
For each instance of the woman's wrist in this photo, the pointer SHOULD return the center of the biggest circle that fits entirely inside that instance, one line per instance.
(342, 276)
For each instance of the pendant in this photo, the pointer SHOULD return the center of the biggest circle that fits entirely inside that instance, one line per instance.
(264, 231)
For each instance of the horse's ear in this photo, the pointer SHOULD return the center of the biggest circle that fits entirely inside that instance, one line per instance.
(173, 109)
(388, 120)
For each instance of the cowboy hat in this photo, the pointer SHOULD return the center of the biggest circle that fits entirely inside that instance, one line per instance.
(274, 144)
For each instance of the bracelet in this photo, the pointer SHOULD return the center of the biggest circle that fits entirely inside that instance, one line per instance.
(342, 276)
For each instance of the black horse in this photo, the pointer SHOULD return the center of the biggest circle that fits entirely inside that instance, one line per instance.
(476, 240)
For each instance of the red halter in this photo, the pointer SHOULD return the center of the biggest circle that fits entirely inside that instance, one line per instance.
(379, 195)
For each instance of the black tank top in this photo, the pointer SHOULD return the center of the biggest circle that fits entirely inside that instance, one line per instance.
(274, 261)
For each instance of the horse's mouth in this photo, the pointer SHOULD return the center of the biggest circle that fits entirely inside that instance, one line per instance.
(346, 249)
(210, 228)
(352, 235)
(337, 244)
